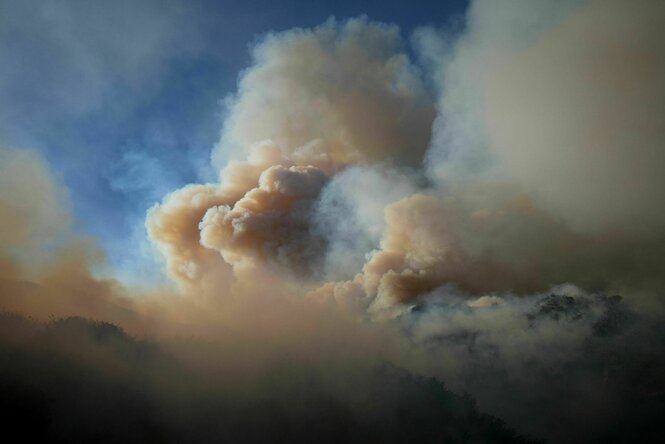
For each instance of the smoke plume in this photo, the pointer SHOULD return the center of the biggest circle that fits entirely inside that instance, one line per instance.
(490, 217)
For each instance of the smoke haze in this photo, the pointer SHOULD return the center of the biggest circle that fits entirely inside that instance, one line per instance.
(480, 209)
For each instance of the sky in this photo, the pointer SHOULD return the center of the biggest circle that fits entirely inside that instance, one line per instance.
(332, 221)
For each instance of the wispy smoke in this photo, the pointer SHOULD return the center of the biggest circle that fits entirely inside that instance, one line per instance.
(45, 269)
(35, 211)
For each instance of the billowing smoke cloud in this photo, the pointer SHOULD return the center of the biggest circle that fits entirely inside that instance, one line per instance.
(349, 85)
(270, 222)
(586, 99)
(345, 94)
(314, 102)
(482, 236)
(271, 366)
(544, 169)
(567, 97)
(549, 139)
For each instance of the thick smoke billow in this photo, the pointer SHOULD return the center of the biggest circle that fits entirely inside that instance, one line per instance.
(491, 219)
(314, 103)
(270, 222)
(567, 98)
(350, 86)
(591, 150)
(536, 177)
(270, 367)
(489, 229)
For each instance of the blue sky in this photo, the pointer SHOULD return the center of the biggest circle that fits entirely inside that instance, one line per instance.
(124, 98)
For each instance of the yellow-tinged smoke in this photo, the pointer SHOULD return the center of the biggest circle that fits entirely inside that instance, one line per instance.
(316, 102)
